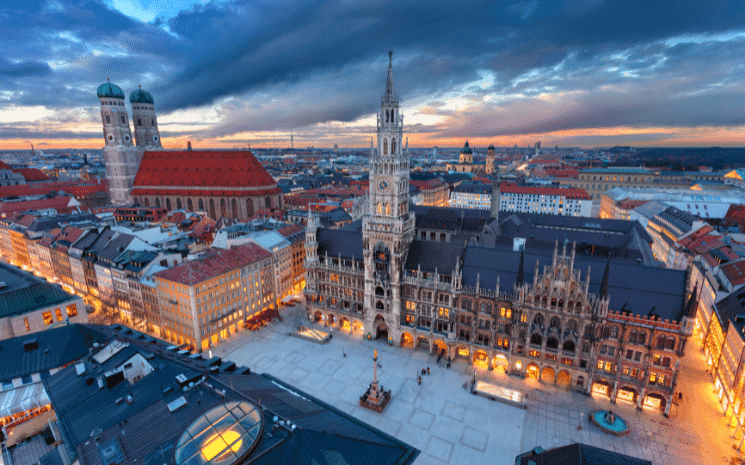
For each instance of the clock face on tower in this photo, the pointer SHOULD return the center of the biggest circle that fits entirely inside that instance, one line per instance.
(383, 185)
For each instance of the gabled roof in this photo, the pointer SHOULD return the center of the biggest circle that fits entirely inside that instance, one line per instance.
(569, 193)
(735, 272)
(204, 169)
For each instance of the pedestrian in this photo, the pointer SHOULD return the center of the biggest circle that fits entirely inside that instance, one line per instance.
(427, 370)
(419, 380)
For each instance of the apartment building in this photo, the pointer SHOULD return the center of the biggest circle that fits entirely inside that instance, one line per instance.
(205, 301)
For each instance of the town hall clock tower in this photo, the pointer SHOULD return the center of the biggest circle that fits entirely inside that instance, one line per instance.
(387, 224)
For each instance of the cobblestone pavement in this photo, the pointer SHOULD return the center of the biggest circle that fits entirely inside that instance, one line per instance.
(449, 425)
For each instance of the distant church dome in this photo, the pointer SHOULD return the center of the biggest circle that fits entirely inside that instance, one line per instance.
(466, 149)
(109, 90)
(141, 96)
(491, 147)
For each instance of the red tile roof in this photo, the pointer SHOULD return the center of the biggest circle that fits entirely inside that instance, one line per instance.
(572, 193)
(60, 204)
(75, 188)
(290, 230)
(735, 272)
(217, 263)
(556, 173)
(25, 220)
(32, 174)
(629, 204)
(214, 172)
(3, 166)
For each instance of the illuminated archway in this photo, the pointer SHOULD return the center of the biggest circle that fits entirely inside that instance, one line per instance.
(563, 378)
(548, 375)
(407, 340)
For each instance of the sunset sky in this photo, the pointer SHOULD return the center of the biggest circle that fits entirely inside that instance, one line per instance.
(236, 73)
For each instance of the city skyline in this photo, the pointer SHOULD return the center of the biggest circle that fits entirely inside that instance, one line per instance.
(228, 74)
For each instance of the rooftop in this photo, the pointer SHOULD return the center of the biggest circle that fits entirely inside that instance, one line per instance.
(216, 263)
(229, 171)
(569, 193)
(24, 292)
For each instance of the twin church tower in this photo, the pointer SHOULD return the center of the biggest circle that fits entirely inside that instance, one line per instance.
(121, 155)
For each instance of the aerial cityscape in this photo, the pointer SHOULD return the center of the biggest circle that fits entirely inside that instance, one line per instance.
(350, 233)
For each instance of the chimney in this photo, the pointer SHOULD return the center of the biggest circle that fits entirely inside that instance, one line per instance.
(188, 146)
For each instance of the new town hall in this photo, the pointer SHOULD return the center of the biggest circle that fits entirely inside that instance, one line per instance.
(613, 328)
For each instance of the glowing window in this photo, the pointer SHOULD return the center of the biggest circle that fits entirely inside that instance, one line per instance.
(222, 436)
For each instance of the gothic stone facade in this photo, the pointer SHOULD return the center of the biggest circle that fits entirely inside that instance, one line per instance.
(383, 283)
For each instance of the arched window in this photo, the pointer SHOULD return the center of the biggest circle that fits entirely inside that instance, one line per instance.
(179, 205)
(234, 205)
(212, 209)
(223, 208)
(157, 202)
(385, 146)
(250, 207)
(147, 202)
(152, 122)
(538, 319)
(552, 343)
(387, 209)
(536, 339)
(189, 205)
(387, 116)
(168, 204)
(108, 119)
(393, 146)
(201, 205)
(568, 346)
(641, 338)
(380, 209)
(139, 121)
(268, 202)
(124, 120)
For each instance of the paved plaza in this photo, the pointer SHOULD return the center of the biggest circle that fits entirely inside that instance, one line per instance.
(449, 425)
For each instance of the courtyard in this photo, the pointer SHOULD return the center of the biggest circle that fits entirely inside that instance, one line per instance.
(450, 425)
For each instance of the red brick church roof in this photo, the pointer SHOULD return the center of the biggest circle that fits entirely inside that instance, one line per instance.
(228, 172)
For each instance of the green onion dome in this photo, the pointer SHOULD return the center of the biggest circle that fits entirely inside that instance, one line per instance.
(108, 89)
(141, 96)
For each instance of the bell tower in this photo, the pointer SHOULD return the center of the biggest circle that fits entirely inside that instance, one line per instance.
(122, 158)
(387, 224)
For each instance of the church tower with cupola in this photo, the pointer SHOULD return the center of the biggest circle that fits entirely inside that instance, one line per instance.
(122, 158)
(144, 120)
(387, 225)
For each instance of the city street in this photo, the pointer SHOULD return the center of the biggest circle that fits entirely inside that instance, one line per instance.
(450, 425)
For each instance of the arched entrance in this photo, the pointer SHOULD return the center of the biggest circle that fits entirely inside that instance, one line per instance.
(500, 363)
(331, 319)
(357, 327)
(564, 379)
(532, 370)
(440, 348)
(407, 340)
(655, 401)
(463, 353)
(318, 316)
(344, 324)
(580, 381)
(602, 388)
(422, 342)
(480, 359)
(628, 394)
(548, 375)
(381, 329)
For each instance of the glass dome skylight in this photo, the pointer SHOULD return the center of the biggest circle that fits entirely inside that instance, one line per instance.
(221, 436)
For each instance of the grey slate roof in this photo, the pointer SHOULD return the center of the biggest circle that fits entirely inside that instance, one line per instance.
(579, 454)
(431, 256)
(337, 242)
(637, 288)
(730, 308)
(24, 292)
(55, 348)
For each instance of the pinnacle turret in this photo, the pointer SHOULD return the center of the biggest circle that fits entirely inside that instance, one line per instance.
(390, 97)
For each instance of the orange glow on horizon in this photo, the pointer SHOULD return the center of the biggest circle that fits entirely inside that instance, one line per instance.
(678, 137)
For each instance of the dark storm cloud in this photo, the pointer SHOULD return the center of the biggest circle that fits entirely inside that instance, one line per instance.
(290, 64)
(23, 69)
(261, 43)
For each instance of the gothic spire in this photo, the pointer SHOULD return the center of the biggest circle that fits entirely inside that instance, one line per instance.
(521, 268)
(604, 283)
(390, 93)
